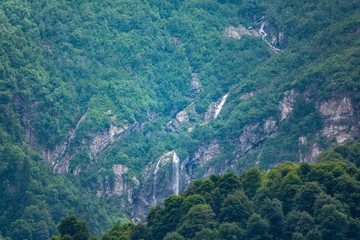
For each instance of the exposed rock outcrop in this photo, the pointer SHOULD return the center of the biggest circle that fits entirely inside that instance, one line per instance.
(195, 83)
(102, 140)
(119, 184)
(287, 103)
(123, 186)
(337, 109)
(61, 153)
(122, 190)
(182, 118)
(60, 156)
(311, 154)
(245, 96)
(254, 135)
(98, 144)
(240, 31)
(340, 120)
(201, 161)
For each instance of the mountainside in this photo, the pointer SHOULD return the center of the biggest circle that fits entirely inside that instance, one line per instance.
(292, 201)
(128, 102)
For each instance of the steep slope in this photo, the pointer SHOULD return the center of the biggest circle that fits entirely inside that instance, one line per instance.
(291, 201)
(33, 200)
(109, 92)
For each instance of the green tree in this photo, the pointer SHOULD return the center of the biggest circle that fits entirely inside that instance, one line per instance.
(198, 217)
(323, 199)
(231, 231)
(41, 231)
(236, 208)
(228, 183)
(290, 223)
(140, 232)
(354, 229)
(191, 201)
(119, 231)
(154, 221)
(74, 227)
(288, 188)
(20, 230)
(206, 233)
(251, 181)
(257, 228)
(305, 223)
(314, 234)
(173, 236)
(306, 197)
(333, 224)
(271, 210)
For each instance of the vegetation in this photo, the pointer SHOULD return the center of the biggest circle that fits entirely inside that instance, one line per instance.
(61, 60)
(292, 201)
(33, 200)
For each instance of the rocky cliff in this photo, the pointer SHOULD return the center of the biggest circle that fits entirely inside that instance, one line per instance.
(137, 187)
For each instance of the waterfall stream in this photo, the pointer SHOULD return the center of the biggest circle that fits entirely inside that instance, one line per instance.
(155, 180)
(219, 107)
(176, 173)
(264, 37)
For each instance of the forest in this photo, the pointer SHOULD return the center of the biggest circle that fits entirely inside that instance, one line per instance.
(73, 71)
(292, 201)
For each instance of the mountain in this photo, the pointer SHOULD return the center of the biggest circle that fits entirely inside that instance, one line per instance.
(291, 201)
(128, 102)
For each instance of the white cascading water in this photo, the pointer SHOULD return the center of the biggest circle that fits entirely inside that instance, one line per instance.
(264, 37)
(262, 32)
(176, 173)
(155, 180)
(219, 107)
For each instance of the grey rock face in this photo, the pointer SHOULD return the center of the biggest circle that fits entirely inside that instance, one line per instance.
(254, 135)
(201, 160)
(337, 109)
(240, 31)
(340, 120)
(195, 85)
(311, 154)
(287, 103)
(122, 186)
(182, 117)
(122, 190)
(102, 140)
(60, 156)
(340, 124)
(61, 152)
(245, 96)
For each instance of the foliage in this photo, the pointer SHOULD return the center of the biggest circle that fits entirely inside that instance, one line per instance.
(62, 60)
(33, 200)
(314, 210)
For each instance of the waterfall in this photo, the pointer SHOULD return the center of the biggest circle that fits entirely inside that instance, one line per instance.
(155, 180)
(221, 104)
(176, 173)
(264, 37)
(262, 32)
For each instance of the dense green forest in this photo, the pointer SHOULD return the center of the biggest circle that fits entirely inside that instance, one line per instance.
(73, 70)
(292, 201)
(33, 200)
